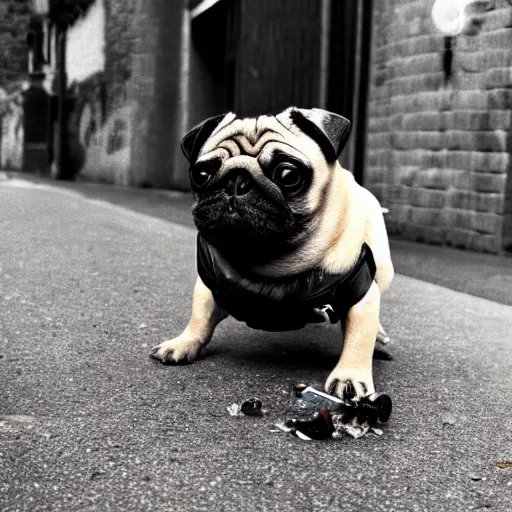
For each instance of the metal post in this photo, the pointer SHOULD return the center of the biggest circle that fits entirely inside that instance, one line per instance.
(62, 117)
(325, 35)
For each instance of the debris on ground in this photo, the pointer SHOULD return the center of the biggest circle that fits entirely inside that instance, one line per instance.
(352, 428)
(316, 415)
(447, 417)
(323, 416)
(234, 410)
(249, 407)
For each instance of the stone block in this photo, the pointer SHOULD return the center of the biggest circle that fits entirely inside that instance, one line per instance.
(470, 81)
(479, 161)
(426, 216)
(437, 178)
(461, 199)
(379, 140)
(471, 100)
(500, 119)
(418, 139)
(455, 218)
(490, 202)
(428, 198)
(467, 120)
(499, 99)
(486, 243)
(486, 182)
(496, 141)
(498, 18)
(425, 121)
(407, 175)
(498, 78)
(464, 181)
(459, 238)
(378, 124)
(431, 43)
(378, 108)
(422, 233)
(379, 157)
(488, 223)
(493, 40)
(375, 174)
(413, 84)
(482, 60)
(418, 64)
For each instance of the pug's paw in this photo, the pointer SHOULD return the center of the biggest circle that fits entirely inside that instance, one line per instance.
(177, 350)
(350, 384)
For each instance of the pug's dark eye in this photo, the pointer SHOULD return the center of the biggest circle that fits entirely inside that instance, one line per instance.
(201, 173)
(199, 177)
(288, 177)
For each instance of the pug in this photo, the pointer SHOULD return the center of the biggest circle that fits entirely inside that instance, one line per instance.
(286, 237)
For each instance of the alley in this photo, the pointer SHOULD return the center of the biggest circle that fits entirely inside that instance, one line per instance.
(89, 422)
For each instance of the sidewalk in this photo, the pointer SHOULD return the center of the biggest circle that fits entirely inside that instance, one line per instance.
(482, 275)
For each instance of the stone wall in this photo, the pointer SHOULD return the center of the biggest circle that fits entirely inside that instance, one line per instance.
(120, 39)
(11, 131)
(440, 132)
(14, 21)
(99, 132)
(124, 120)
(101, 108)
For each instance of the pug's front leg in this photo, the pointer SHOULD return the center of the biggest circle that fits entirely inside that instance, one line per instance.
(206, 314)
(352, 376)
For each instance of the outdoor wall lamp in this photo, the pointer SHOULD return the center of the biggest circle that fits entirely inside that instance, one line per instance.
(454, 17)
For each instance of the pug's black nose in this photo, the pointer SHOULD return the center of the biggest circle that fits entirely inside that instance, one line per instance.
(239, 183)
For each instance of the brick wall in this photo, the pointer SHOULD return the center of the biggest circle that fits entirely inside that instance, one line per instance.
(439, 149)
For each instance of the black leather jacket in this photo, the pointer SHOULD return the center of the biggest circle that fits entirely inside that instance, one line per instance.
(284, 304)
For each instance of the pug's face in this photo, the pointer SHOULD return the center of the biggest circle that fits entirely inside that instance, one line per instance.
(259, 183)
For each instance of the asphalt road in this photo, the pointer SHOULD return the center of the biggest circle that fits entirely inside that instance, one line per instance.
(88, 422)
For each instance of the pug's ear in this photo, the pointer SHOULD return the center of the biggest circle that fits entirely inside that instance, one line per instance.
(330, 131)
(194, 140)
